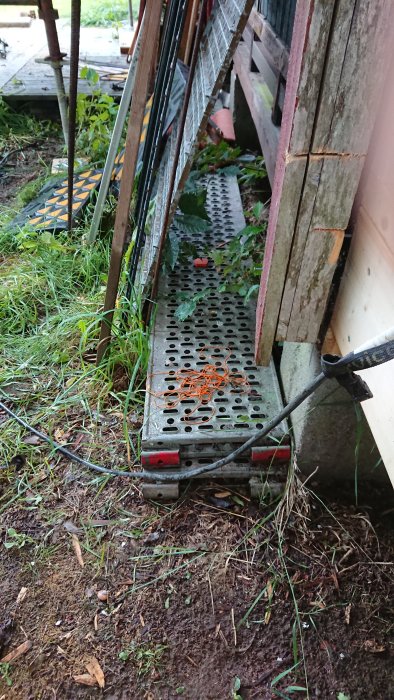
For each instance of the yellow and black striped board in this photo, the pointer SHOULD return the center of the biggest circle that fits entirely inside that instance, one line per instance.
(49, 210)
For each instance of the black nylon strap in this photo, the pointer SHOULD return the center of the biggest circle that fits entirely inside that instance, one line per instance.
(334, 366)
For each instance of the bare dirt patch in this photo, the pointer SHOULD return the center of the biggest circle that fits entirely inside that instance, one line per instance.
(183, 600)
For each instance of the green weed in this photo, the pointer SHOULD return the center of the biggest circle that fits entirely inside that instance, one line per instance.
(96, 115)
(16, 540)
(5, 669)
(145, 657)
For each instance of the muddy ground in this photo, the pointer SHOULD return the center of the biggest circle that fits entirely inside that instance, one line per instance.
(183, 600)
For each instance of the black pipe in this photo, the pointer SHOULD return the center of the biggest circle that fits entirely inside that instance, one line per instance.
(72, 104)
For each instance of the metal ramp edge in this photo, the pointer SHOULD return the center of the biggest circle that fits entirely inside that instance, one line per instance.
(222, 322)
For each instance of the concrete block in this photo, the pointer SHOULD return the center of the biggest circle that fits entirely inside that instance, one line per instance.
(326, 428)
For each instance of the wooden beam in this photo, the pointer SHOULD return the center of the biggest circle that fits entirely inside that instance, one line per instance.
(189, 31)
(356, 63)
(273, 47)
(318, 235)
(310, 37)
(260, 101)
(327, 119)
(150, 34)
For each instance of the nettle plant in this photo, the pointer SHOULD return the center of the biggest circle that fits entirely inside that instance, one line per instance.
(239, 262)
(96, 115)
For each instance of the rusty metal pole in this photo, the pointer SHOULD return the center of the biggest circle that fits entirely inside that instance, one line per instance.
(72, 104)
(55, 59)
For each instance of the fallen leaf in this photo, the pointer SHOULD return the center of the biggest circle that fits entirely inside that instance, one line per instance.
(222, 494)
(21, 595)
(77, 550)
(69, 526)
(16, 653)
(85, 679)
(372, 646)
(94, 668)
(32, 440)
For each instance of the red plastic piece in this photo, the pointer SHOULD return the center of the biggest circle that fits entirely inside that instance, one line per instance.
(201, 262)
(266, 454)
(224, 120)
(166, 458)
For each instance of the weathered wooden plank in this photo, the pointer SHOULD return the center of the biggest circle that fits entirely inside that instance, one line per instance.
(310, 36)
(363, 309)
(319, 261)
(247, 43)
(188, 31)
(355, 64)
(36, 81)
(330, 188)
(264, 68)
(300, 230)
(283, 212)
(272, 46)
(260, 101)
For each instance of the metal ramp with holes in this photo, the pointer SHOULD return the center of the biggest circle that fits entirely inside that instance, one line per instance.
(222, 322)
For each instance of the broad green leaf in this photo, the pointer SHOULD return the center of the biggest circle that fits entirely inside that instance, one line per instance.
(193, 204)
(237, 684)
(186, 309)
(189, 223)
(172, 249)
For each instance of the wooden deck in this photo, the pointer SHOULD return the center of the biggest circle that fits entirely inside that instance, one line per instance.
(22, 79)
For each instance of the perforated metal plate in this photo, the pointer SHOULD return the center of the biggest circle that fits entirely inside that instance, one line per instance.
(225, 324)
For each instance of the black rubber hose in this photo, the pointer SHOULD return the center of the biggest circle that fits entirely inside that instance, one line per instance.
(192, 472)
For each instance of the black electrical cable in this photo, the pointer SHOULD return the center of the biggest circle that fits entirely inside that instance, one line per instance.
(190, 473)
(369, 355)
(163, 83)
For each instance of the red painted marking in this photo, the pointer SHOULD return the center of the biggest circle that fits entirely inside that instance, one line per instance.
(201, 262)
(266, 454)
(166, 458)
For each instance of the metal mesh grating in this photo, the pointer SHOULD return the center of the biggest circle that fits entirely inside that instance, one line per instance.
(222, 34)
(222, 322)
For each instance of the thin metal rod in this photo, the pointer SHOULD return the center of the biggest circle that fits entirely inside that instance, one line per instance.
(114, 144)
(72, 104)
(61, 98)
(145, 64)
(49, 15)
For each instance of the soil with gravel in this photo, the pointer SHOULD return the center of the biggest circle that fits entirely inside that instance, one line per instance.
(193, 599)
(25, 165)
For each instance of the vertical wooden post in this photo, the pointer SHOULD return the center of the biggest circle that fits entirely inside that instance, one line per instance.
(337, 66)
(189, 31)
(149, 38)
